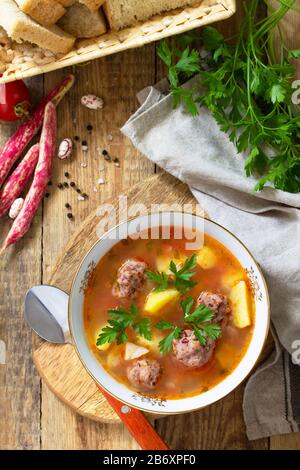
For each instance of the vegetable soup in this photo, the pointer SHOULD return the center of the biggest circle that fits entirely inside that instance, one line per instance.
(168, 321)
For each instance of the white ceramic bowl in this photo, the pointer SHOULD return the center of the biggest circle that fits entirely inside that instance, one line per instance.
(120, 391)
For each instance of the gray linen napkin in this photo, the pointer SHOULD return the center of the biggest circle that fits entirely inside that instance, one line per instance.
(199, 154)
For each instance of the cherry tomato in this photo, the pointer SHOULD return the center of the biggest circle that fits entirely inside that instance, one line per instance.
(14, 101)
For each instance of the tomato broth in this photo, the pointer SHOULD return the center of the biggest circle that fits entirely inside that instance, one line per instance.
(219, 272)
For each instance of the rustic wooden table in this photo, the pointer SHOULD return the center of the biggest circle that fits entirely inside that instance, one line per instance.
(31, 416)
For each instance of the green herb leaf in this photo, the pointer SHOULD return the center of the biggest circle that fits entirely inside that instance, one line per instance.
(212, 38)
(122, 338)
(161, 279)
(212, 330)
(201, 314)
(199, 335)
(120, 320)
(182, 276)
(186, 96)
(108, 335)
(164, 325)
(186, 305)
(199, 320)
(188, 62)
(143, 328)
(183, 282)
(294, 54)
(277, 94)
(164, 52)
(165, 345)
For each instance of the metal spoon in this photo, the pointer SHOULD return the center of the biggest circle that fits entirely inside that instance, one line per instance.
(46, 312)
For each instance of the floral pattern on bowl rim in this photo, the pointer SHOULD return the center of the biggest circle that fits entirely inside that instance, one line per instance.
(154, 404)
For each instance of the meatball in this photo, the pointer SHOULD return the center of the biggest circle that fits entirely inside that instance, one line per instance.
(216, 302)
(188, 350)
(130, 278)
(144, 373)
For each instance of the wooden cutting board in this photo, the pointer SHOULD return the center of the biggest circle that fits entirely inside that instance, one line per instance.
(59, 365)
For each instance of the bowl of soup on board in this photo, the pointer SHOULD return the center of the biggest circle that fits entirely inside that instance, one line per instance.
(169, 312)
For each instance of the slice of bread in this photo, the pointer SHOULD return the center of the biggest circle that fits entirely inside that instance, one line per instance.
(21, 27)
(121, 13)
(45, 12)
(66, 3)
(82, 23)
(93, 5)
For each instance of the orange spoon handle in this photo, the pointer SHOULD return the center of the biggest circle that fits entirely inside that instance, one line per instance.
(137, 424)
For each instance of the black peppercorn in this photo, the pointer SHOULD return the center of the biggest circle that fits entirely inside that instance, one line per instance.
(49, 183)
(89, 127)
(67, 174)
(70, 215)
(76, 138)
(85, 195)
(60, 185)
(47, 195)
(67, 206)
(72, 184)
(66, 185)
(106, 155)
(78, 190)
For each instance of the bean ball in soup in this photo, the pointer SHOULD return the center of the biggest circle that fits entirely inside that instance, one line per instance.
(168, 321)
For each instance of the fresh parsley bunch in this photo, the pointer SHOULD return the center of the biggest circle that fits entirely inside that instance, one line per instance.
(248, 91)
(121, 319)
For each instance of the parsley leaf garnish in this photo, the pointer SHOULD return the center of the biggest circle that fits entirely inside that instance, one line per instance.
(165, 345)
(182, 276)
(121, 319)
(183, 281)
(200, 320)
(212, 330)
(162, 279)
(143, 328)
(201, 314)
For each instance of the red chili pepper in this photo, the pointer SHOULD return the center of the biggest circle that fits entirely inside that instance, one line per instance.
(14, 101)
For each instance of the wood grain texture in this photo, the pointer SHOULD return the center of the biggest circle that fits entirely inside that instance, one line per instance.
(34, 420)
(20, 268)
(117, 80)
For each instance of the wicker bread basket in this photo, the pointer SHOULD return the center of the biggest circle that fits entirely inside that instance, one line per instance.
(33, 61)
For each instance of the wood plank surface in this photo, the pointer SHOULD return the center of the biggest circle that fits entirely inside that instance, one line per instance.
(34, 418)
(116, 79)
(19, 382)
